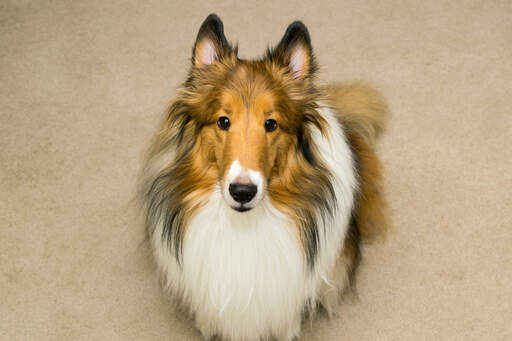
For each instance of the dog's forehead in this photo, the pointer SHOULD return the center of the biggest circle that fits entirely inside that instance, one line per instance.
(248, 91)
(250, 77)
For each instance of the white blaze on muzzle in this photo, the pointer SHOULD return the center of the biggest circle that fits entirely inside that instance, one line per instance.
(239, 186)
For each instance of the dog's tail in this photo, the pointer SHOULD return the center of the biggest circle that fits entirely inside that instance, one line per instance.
(362, 109)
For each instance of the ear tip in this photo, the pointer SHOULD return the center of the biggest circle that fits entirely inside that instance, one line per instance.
(297, 24)
(212, 17)
(212, 26)
(213, 21)
(298, 27)
(297, 31)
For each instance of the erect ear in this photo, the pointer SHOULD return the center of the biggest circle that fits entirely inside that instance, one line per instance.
(295, 52)
(211, 44)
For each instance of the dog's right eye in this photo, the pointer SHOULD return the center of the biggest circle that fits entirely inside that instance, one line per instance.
(223, 123)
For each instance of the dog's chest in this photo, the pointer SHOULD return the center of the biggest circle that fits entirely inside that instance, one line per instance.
(239, 265)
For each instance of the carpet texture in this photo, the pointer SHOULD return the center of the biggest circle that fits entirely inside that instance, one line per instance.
(83, 85)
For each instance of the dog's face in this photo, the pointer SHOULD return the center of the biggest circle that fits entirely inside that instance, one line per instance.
(246, 139)
(250, 114)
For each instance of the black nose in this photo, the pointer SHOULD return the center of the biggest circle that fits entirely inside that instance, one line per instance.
(242, 193)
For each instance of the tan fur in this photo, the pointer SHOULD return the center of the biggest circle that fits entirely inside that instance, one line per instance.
(190, 158)
(362, 108)
(364, 113)
(246, 139)
(371, 211)
(248, 93)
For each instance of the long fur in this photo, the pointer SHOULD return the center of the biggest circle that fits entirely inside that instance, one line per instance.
(364, 113)
(253, 275)
(362, 109)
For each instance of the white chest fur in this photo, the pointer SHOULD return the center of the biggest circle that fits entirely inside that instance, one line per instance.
(250, 270)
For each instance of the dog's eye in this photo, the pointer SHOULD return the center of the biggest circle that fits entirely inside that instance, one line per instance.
(270, 125)
(223, 123)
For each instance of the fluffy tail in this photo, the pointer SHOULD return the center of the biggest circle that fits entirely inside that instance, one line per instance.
(362, 109)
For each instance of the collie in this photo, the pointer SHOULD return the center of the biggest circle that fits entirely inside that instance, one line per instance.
(259, 187)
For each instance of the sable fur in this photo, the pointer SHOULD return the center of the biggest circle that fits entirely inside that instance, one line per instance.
(364, 113)
(305, 184)
(299, 186)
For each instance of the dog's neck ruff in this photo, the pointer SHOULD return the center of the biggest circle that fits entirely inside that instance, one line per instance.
(249, 269)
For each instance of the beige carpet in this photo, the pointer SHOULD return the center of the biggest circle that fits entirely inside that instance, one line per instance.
(84, 83)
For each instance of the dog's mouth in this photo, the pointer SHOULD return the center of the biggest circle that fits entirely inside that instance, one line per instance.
(242, 208)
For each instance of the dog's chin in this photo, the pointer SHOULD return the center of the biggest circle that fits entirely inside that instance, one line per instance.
(242, 208)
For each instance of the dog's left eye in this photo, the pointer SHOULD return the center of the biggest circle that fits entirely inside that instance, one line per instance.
(270, 125)
(223, 123)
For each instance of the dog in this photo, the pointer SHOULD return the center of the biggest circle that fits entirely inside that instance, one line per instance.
(260, 186)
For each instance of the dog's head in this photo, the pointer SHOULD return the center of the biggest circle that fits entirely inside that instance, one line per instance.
(249, 117)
